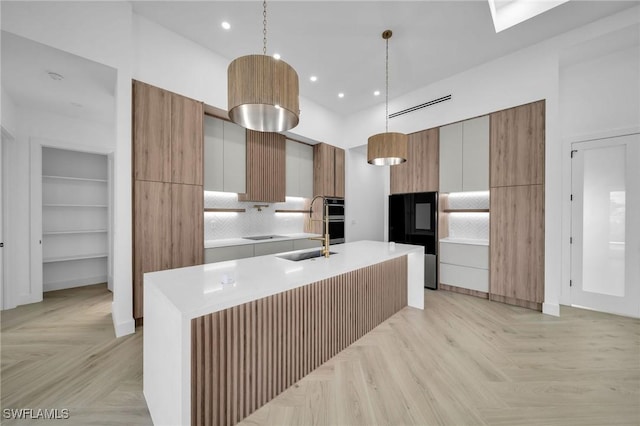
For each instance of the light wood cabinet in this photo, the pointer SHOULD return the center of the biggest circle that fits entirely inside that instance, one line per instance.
(339, 173)
(299, 169)
(517, 206)
(265, 167)
(328, 170)
(187, 233)
(151, 234)
(517, 145)
(517, 245)
(420, 173)
(167, 136)
(151, 133)
(186, 140)
(225, 161)
(167, 186)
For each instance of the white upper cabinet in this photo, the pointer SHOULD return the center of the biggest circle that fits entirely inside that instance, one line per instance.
(475, 154)
(451, 158)
(464, 156)
(225, 153)
(299, 169)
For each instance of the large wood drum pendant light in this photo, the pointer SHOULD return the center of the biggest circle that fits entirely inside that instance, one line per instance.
(263, 91)
(387, 149)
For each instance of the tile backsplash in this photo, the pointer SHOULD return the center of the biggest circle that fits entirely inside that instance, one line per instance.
(473, 226)
(221, 225)
(469, 226)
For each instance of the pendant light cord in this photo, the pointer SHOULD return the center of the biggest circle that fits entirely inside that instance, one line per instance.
(386, 116)
(264, 27)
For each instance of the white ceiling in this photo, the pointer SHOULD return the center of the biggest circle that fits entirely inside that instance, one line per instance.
(340, 41)
(87, 90)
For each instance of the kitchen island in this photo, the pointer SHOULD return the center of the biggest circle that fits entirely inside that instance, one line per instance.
(222, 339)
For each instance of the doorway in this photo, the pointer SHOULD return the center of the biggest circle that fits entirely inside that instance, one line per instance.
(605, 225)
(73, 195)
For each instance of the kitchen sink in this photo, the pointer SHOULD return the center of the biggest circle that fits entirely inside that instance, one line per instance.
(263, 237)
(296, 257)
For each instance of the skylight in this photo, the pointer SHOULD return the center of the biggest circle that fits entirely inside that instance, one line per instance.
(507, 13)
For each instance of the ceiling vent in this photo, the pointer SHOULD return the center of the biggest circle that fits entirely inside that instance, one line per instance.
(417, 107)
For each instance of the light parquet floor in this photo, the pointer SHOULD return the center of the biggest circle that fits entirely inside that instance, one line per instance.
(461, 361)
(62, 353)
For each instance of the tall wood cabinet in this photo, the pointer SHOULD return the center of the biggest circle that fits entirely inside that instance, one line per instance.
(328, 170)
(517, 205)
(167, 184)
(265, 167)
(420, 173)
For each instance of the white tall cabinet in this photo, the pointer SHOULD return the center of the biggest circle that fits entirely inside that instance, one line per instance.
(75, 218)
(225, 153)
(464, 156)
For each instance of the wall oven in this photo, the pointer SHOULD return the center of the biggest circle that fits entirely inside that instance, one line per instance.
(336, 219)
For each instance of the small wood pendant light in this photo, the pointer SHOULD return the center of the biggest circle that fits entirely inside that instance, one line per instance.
(387, 149)
(263, 91)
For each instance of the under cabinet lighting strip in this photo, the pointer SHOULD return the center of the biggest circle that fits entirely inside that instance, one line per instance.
(214, 210)
(465, 211)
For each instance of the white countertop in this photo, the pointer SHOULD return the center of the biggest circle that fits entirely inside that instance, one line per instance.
(227, 242)
(465, 241)
(198, 290)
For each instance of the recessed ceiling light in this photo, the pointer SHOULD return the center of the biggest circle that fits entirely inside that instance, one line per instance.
(55, 76)
(376, 93)
(341, 95)
(276, 56)
(313, 78)
(226, 25)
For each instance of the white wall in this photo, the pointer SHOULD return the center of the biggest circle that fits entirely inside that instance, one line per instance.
(524, 76)
(17, 277)
(37, 128)
(8, 113)
(365, 204)
(165, 59)
(599, 97)
(101, 32)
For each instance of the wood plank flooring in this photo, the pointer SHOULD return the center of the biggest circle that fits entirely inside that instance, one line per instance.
(62, 353)
(461, 361)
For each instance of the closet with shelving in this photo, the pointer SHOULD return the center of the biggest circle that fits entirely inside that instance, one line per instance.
(75, 218)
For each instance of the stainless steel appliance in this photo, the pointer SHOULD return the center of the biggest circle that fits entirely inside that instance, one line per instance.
(336, 219)
(413, 219)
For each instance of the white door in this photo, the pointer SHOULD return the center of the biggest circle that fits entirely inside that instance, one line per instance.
(605, 222)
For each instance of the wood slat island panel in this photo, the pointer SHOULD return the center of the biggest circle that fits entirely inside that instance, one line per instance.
(244, 356)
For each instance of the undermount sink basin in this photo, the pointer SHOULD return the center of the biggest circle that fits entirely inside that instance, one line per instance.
(303, 256)
(263, 237)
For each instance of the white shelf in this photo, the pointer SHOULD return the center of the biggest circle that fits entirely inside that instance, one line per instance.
(100, 206)
(78, 257)
(87, 231)
(74, 178)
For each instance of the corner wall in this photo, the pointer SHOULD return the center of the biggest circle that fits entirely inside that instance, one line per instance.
(525, 76)
(101, 32)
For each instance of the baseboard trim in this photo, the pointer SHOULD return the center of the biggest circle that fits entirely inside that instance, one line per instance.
(122, 327)
(79, 282)
(462, 290)
(551, 309)
(517, 302)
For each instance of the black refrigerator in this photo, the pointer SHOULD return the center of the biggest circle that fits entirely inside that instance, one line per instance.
(413, 219)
